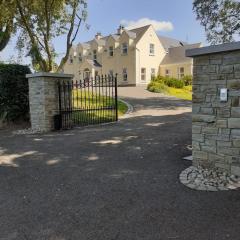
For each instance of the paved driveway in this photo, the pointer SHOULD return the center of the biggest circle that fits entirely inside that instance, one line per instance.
(112, 182)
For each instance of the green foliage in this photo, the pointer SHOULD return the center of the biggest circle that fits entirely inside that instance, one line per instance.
(157, 86)
(187, 80)
(173, 82)
(220, 18)
(7, 26)
(14, 103)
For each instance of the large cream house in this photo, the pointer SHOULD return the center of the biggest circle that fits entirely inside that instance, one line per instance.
(135, 55)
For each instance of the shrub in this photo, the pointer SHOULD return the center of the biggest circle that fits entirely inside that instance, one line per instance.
(158, 87)
(187, 80)
(14, 103)
(173, 82)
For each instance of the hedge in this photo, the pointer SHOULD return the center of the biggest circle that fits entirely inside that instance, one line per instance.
(14, 101)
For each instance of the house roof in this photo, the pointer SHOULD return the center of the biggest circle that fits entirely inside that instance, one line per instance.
(177, 54)
(94, 63)
(170, 42)
(135, 34)
(140, 32)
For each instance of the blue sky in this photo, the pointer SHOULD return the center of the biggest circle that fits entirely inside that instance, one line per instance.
(173, 18)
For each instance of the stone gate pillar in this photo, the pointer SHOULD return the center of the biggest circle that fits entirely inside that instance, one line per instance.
(216, 120)
(43, 99)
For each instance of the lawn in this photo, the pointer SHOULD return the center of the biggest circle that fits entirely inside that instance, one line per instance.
(171, 86)
(183, 93)
(92, 108)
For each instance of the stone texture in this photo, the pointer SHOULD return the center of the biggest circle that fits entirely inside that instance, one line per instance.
(216, 124)
(43, 99)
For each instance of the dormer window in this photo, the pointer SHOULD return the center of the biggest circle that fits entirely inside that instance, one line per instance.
(124, 49)
(95, 55)
(151, 49)
(111, 51)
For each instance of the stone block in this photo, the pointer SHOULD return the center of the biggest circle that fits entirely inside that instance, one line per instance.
(198, 137)
(226, 69)
(235, 112)
(211, 130)
(196, 129)
(235, 133)
(224, 144)
(200, 155)
(203, 118)
(208, 149)
(236, 143)
(235, 102)
(234, 122)
(221, 123)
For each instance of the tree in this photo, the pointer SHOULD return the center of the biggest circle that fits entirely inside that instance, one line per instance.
(220, 18)
(7, 13)
(39, 22)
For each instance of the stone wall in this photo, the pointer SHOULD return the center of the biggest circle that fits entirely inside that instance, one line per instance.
(216, 124)
(43, 99)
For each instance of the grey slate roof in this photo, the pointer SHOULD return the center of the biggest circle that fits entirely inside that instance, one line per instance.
(177, 54)
(170, 42)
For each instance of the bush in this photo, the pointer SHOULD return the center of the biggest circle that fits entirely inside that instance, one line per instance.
(173, 82)
(157, 86)
(14, 102)
(187, 80)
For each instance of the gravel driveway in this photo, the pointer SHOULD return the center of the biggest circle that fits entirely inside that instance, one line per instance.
(111, 182)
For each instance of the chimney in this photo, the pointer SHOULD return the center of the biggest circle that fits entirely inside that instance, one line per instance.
(120, 29)
(98, 35)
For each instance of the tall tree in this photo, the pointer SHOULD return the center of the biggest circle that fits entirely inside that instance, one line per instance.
(7, 14)
(42, 21)
(220, 18)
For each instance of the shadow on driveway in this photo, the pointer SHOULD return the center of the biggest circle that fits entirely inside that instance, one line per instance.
(111, 182)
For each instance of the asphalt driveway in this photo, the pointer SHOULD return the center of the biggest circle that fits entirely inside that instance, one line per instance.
(111, 182)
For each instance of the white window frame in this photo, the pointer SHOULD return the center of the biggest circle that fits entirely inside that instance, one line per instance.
(125, 75)
(124, 48)
(143, 74)
(153, 73)
(181, 73)
(110, 51)
(95, 55)
(151, 49)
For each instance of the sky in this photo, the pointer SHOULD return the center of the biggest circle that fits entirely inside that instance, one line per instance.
(172, 18)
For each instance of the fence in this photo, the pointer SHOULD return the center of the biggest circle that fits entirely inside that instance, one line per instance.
(86, 102)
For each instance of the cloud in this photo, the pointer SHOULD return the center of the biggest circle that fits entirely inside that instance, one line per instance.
(164, 26)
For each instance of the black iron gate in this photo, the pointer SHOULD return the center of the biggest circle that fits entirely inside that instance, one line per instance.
(86, 102)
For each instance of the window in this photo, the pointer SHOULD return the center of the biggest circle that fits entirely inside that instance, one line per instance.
(181, 72)
(95, 55)
(124, 48)
(167, 73)
(151, 49)
(111, 73)
(143, 74)
(153, 73)
(111, 51)
(80, 57)
(70, 59)
(125, 75)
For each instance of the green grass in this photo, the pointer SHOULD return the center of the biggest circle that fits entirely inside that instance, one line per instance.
(92, 108)
(183, 93)
(160, 87)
